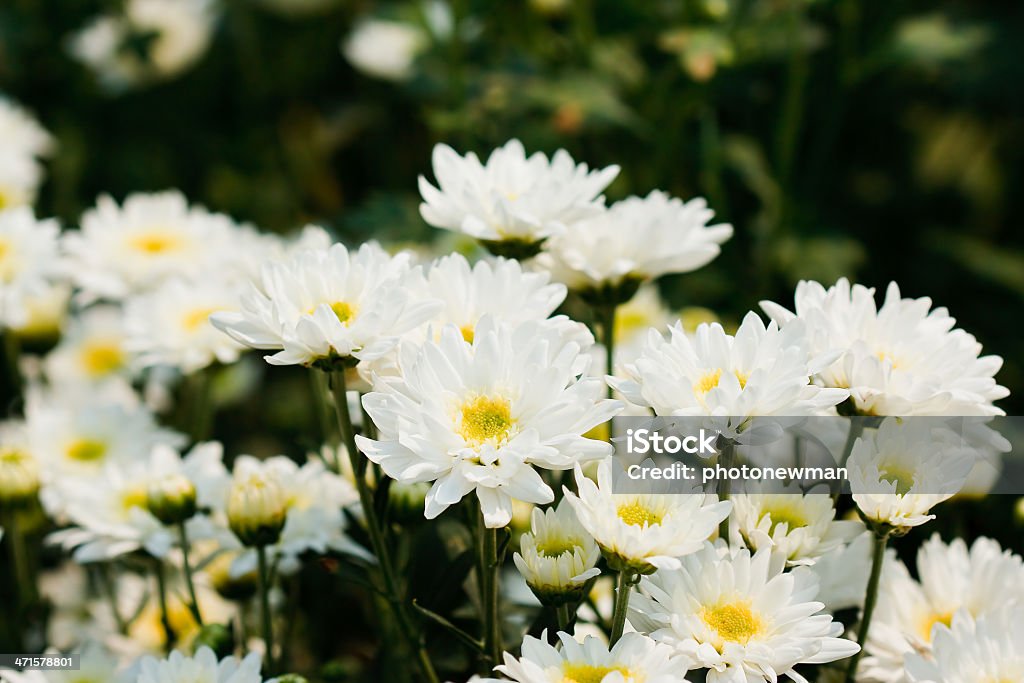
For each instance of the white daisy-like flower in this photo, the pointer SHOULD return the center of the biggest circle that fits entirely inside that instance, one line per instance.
(633, 659)
(322, 305)
(171, 325)
(385, 49)
(732, 614)
(985, 650)
(314, 498)
(796, 527)
(92, 350)
(149, 238)
(176, 34)
(29, 262)
(642, 532)
(203, 667)
(20, 176)
(109, 511)
(46, 313)
(557, 557)
(21, 132)
(513, 199)
(903, 358)
(482, 416)
(636, 239)
(761, 371)
(976, 581)
(900, 471)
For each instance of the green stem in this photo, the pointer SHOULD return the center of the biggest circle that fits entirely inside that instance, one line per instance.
(265, 617)
(200, 407)
(374, 528)
(328, 426)
(725, 458)
(623, 586)
(870, 599)
(165, 620)
(189, 584)
(606, 321)
(488, 541)
(111, 595)
(564, 617)
(856, 429)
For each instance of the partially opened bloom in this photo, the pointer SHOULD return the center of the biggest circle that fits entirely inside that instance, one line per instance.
(903, 358)
(203, 667)
(483, 416)
(636, 239)
(641, 532)
(322, 305)
(29, 262)
(633, 659)
(732, 614)
(557, 557)
(513, 202)
(990, 648)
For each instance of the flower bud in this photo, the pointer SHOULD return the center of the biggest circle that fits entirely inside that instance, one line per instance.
(19, 478)
(217, 637)
(241, 587)
(257, 508)
(171, 499)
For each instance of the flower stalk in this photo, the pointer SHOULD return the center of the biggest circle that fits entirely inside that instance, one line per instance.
(489, 594)
(265, 616)
(870, 599)
(623, 586)
(193, 604)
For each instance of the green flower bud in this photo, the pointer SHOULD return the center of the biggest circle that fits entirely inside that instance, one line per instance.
(19, 478)
(257, 509)
(217, 637)
(171, 499)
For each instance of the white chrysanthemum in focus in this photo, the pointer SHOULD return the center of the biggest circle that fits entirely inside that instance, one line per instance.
(797, 528)
(900, 471)
(636, 239)
(29, 262)
(557, 556)
(761, 371)
(641, 532)
(384, 49)
(150, 238)
(203, 667)
(899, 359)
(634, 658)
(323, 305)
(512, 198)
(174, 35)
(92, 350)
(483, 416)
(171, 326)
(975, 581)
(732, 614)
(990, 649)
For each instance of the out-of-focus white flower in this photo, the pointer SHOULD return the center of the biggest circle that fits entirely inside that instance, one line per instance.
(898, 472)
(151, 41)
(636, 239)
(171, 325)
(732, 614)
(25, 142)
(900, 359)
(512, 199)
(19, 470)
(646, 531)
(797, 528)
(92, 350)
(977, 582)
(482, 416)
(150, 238)
(46, 312)
(201, 668)
(558, 557)
(633, 658)
(29, 262)
(987, 649)
(385, 49)
(761, 371)
(323, 305)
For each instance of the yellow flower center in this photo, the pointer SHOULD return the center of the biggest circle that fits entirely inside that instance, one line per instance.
(86, 450)
(553, 547)
(134, 497)
(709, 380)
(901, 476)
(468, 332)
(636, 514)
(195, 319)
(887, 356)
(485, 418)
(733, 621)
(930, 621)
(156, 242)
(8, 262)
(590, 673)
(790, 515)
(102, 358)
(13, 456)
(344, 311)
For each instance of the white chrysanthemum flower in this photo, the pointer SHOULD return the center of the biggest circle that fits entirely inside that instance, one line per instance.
(29, 261)
(384, 49)
(201, 668)
(22, 133)
(633, 659)
(124, 249)
(512, 198)
(109, 511)
(646, 531)
(900, 471)
(636, 239)
(899, 359)
(483, 416)
(797, 528)
(986, 650)
(20, 176)
(313, 500)
(977, 581)
(761, 371)
(171, 325)
(322, 305)
(46, 313)
(730, 613)
(174, 35)
(557, 557)
(92, 350)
